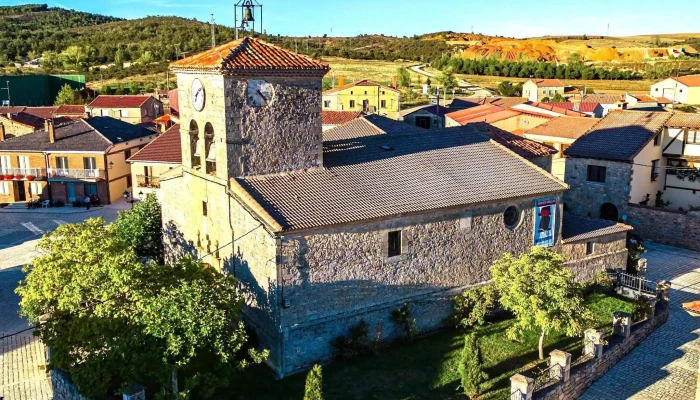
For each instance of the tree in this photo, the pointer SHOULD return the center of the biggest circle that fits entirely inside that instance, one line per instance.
(541, 293)
(140, 226)
(50, 60)
(76, 57)
(112, 320)
(404, 77)
(65, 96)
(507, 89)
(314, 384)
(447, 79)
(470, 367)
(545, 99)
(558, 98)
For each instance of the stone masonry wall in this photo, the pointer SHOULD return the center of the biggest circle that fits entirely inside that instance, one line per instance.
(583, 375)
(63, 388)
(608, 252)
(586, 198)
(675, 228)
(333, 277)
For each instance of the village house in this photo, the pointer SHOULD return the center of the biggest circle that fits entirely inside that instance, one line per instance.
(681, 159)
(609, 102)
(427, 116)
(537, 89)
(20, 120)
(682, 89)
(508, 119)
(590, 109)
(157, 157)
(365, 96)
(131, 109)
(548, 109)
(66, 162)
(332, 119)
(560, 133)
(461, 103)
(367, 125)
(324, 232)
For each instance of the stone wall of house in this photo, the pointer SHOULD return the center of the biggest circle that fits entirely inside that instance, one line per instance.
(586, 198)
(63, 388)
(333, 277)
(675, 228)
(583, 375)
(608, 252)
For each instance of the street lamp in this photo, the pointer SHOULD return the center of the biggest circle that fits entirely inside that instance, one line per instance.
(141, 195)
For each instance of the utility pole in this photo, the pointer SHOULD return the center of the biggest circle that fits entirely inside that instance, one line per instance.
(213, 35)
(8, 92)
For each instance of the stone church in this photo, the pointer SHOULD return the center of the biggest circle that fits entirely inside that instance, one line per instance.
(325, 234)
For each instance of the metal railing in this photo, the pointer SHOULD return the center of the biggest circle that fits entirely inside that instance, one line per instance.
(518, 395)
(23, 172)
(636, 283)
(76, 173)
(548, 376)
(148, 181)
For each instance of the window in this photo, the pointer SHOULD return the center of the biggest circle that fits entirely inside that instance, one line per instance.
(351, 92)
(4, 188)
(124, 113)
(383, 92)
(23, 162)
(128, 181)
(204, 208)
(209, 149)
(596, 173)
(35, 188)
(692, 137)
(5, 163)
(61, 162)
(657, 140)
(657, 89)
(89, 163)
(511, 217)
(326, 103)
(382, 104)
(352, 103)
(91, 189)
(365, 92)
(673, 165)
(127, 154)
(590, 248)
(654, 170)
(394, 243)
(194, 144)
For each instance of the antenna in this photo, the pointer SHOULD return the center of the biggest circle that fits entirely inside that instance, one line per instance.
(213, 34)
(608, 34)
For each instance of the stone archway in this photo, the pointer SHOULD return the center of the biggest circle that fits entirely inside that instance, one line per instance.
(609, 212)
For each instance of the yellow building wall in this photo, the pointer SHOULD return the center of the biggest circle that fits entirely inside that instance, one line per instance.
(341, 101)
(13, 129)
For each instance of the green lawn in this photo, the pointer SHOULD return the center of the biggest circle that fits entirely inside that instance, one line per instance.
(426, 369)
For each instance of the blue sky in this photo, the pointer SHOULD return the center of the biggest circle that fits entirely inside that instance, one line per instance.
(407, 17)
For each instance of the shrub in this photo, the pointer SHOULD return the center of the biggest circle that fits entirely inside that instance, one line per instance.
(601, 281)
(403, 321)
(642, 308)
(474, 305)
(471, 374)
(353, 345)
(314, 384)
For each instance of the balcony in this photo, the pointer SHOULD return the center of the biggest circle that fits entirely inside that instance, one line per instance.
(70, 173)
(144, 181)
(28, 174)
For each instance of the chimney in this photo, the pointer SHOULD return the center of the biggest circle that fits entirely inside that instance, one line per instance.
(163, 127)
(341, 81)
(9, 116)
(395, 81)
(46, 125)
(52, 133)
(2, 132)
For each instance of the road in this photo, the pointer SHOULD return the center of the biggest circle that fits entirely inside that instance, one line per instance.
(477, 90)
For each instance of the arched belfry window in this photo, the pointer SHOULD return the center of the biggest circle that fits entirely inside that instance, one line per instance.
(194, 144)
(209, 149)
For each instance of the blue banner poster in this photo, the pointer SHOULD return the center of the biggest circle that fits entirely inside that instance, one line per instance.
(545, 221)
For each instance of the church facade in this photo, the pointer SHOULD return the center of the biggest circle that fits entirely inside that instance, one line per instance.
(325, 234)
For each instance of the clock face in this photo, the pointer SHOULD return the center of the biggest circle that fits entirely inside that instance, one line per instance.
(197, 95)
(259, 93)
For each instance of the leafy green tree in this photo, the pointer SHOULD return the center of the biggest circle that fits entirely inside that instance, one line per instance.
(314, 384)
(545, 99)
(50, 60)
(447, 79)
(112, 320)
(65, 96)
(574, 59)
(474, 305)
(507, 89)
(470, 367)
(77, 57)
(404, 77)
(140, 227)
(558, 98)
(541, 293)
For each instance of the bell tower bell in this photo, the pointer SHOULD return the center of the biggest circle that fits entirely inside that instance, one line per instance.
(246, 10)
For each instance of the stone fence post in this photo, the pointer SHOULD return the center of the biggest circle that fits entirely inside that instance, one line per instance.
(622, 324)
(642, 268)
(594, 340)
(562, 359)
(663, 291)
(521, 387)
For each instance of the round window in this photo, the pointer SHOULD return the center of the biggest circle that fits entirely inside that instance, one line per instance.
(511, 217)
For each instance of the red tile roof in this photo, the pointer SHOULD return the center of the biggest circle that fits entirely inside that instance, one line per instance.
(116, 101)
(558, 110)
(564, 127)
(11, 110)
(67, 109)
(40, 112)
(602, 98)
(363, 82)
(163, 149)
(643, 98)
(174, 102)
(338, 117)
(587, 107)
(490, 114)
(663, 100)
(690, 80)
(548, 82)
(523, 147)
(249, 54)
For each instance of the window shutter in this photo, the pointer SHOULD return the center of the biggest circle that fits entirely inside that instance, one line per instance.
(385, 244)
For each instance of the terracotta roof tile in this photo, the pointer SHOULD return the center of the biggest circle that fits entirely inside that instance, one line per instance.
(551, 108)
(434, 109)
(576, 228)
(564, 127)
(548, 82)
(689, 80)
(249, 54)
(602, 98)
(68, 110)
(40, 112)
(387, 175)
(684, 120)
(12, 109)
(368, 125)
(338, 117)
(116, 101)
(490, 113)
(163, 149)
(523, 147)
(459, 103)
(643, 98)
(587, 107)
(663, 100)
(619, 136)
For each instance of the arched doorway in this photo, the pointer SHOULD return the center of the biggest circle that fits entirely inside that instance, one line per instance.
(609, 211)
